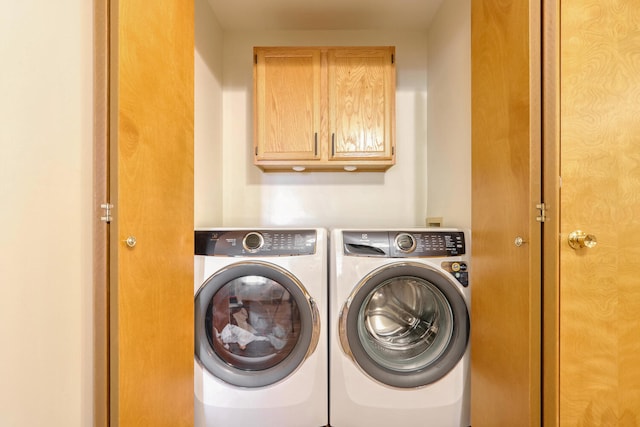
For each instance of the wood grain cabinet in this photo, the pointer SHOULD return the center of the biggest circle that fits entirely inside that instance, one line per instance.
(324, 108)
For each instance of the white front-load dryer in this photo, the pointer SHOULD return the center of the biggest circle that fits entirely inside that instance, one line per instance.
(261, 348)
(399, 328)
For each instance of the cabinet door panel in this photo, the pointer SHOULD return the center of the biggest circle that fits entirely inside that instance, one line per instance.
(287, 99)
(361, 102)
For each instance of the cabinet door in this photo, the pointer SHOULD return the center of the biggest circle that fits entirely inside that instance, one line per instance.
(361, 103)
(287, 103)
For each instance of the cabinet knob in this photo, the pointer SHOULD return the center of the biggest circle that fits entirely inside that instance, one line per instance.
(131, 241)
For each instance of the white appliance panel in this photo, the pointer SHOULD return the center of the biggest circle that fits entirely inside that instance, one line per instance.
(301, 398)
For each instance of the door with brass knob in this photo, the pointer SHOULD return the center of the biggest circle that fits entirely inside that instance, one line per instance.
(599, 298)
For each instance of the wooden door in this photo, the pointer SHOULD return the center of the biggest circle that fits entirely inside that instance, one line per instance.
(599, 316)
(506, 182)
(151, 288)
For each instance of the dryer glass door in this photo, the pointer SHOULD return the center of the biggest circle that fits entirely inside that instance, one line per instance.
(254, 324)
(405, 325)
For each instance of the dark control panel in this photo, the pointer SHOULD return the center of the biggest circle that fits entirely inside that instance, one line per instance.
(255, 242)
(403, 244)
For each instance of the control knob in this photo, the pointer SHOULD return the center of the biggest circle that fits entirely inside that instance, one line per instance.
(253, 241)
(405, 242)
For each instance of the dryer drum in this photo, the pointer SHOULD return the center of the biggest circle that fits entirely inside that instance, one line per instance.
(405, 325)
(404, 317)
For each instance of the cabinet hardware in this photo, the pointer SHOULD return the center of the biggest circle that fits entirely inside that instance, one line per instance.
(131, 241)
(333, 144)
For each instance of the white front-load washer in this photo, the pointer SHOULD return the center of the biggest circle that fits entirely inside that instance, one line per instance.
(399, 328)
(261, 348)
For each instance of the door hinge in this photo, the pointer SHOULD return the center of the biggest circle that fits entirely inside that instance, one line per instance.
(543, 212)
(107, 212)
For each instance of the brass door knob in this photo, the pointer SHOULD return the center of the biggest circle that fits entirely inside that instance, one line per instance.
(579, 239)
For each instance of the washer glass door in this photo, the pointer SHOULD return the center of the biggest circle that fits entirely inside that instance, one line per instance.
(405, 325)
(254, 324)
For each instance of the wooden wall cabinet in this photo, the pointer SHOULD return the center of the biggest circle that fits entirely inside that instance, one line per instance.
(324, 108)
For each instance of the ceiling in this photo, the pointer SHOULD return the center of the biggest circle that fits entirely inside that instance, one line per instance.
(260, 15)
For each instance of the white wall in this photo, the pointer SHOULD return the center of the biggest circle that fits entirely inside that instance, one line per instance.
(395, 198)
(208, 117)
(449, 114)
(45, 215)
